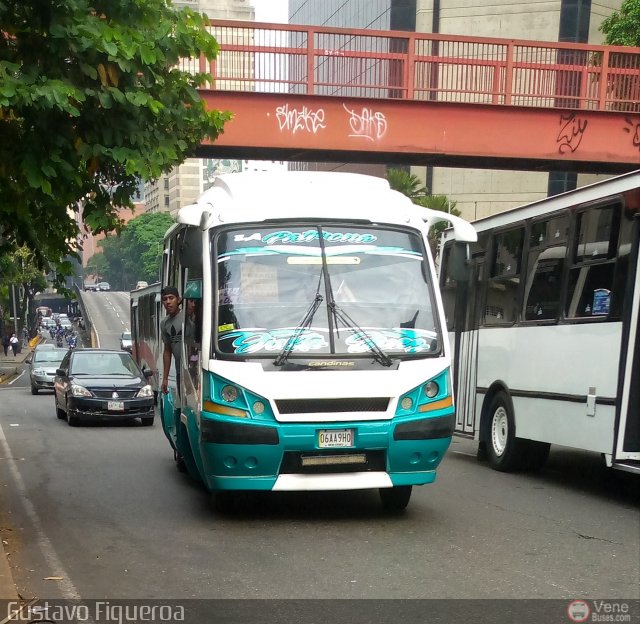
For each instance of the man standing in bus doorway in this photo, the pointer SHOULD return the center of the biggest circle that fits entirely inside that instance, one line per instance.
(171, 333)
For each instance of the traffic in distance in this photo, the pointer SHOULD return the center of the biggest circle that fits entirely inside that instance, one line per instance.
(310, 351)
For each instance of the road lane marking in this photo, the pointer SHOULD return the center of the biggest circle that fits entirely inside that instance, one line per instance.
(463, 453)
(66, 586)
(16, 379)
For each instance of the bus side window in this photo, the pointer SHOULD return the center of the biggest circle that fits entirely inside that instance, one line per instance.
(503, 280)
(593, 263)
(545, 265)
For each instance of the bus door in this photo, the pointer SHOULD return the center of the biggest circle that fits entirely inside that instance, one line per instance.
(467, 351)
(628, 431)
(460, 299)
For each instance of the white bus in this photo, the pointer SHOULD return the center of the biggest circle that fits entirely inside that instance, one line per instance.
(314, 354)
(544, 327)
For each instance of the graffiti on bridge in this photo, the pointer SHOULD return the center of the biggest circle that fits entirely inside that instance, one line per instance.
(572, 128)
(633, 130)
(304, 119)
(366, 124)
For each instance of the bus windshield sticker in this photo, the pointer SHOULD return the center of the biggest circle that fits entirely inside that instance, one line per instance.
(313, 339)
(253, 341)
(309, 236)
(292, 250)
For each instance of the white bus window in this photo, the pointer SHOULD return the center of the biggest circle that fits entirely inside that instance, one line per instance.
(503, 285)
(592, 271)
(545, 264)
(596, 234)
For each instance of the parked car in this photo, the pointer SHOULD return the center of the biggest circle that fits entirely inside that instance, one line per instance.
(102, 384)
(126, 344)
(104, 286)
(43, 363)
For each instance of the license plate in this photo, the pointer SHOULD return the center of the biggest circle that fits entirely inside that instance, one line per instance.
(335, 438)
(115, 406)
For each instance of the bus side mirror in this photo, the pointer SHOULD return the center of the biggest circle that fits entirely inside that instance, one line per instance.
(459, 262)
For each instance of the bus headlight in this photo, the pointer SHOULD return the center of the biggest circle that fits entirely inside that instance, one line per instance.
(431, 389)
(406, 403)
(229, 393)
(258, 407)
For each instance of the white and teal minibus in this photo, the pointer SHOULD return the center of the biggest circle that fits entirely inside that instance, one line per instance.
(314, 348)
(545, 327)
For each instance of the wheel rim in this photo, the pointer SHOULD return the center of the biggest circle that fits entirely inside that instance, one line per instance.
(499, 431)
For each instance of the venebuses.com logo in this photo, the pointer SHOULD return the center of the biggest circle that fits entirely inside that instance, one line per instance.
(599, 611)
(578, 611)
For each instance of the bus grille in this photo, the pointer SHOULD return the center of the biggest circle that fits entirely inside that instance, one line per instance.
(317, 406)
(292, 462)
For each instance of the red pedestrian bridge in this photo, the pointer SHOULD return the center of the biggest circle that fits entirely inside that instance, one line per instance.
(331, 94)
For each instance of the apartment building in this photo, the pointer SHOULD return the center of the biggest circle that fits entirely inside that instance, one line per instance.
(186, 182)
(477, 192)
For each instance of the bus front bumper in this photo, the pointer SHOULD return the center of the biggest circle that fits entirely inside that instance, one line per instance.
(247, 455)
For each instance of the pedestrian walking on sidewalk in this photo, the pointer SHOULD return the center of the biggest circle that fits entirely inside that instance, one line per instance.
(6, 341)
(14, 344)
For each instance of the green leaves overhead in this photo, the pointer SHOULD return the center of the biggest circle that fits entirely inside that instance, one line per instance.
(135, 254)
(92, 101)
(623, 27)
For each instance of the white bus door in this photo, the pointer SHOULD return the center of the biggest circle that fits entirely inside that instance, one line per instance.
(466, 350)
(628, 431)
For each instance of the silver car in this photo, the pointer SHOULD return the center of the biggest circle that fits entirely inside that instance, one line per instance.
(42, 367)
(125, 341)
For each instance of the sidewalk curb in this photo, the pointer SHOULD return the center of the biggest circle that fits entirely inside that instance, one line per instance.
(8, 589)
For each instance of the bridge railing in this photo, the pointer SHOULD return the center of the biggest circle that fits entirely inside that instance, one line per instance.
(342, 62)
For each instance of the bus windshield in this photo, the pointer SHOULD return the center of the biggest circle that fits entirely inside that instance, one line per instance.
(318, 290)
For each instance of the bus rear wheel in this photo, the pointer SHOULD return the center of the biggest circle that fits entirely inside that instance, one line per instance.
(395, 498)
(505, 452)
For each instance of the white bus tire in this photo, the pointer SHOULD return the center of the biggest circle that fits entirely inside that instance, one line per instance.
(505, 452)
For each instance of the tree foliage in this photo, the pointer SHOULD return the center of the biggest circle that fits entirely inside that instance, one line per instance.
(135, 254)
(92, 100)
(623, 27)
(406, 183)
(410, 185)
(18, 270)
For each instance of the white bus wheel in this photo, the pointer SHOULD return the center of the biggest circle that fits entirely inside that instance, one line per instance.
(505, 452)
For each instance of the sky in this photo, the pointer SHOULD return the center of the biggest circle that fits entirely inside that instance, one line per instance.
(271, 10)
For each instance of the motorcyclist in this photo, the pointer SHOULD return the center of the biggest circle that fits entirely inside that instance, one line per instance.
(59, 333)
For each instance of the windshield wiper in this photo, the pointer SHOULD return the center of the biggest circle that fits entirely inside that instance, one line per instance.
(293, 339)
(378, 354)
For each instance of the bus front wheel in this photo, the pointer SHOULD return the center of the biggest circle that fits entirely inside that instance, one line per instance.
(505, 452)
(395, 498)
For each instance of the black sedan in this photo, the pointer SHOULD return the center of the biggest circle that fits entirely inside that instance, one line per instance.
(102, 384)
